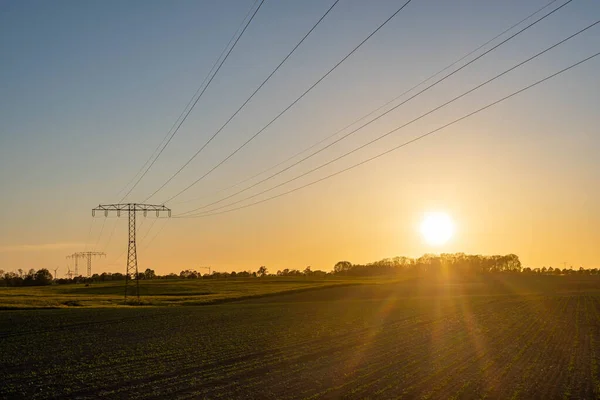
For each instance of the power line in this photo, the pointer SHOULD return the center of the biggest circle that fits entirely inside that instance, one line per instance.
(405, 143)
(149, 229)
(245, 102)
(191, 100)
(293, 103)
(112, 232)
(377, 109)
(156, 235)
(118, 258)
(100, 235)
(387, 112)
(89, 234)
(194, 103)
(402, 126)
(147, 232)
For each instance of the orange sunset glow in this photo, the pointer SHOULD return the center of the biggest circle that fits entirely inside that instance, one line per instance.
(316, 199)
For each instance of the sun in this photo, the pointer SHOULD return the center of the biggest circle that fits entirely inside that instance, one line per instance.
(437, 228)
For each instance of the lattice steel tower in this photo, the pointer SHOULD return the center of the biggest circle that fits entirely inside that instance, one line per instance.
(76, 272)
(88, 256)
(131, 209)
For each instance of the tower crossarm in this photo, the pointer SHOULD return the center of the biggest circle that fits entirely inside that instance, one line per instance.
(134, 207)
(82, 254)
(86, 255)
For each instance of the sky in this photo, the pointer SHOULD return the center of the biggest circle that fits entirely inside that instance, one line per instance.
(88, 90)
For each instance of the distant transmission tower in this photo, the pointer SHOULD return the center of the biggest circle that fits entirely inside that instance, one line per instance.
(55, 273)
(208, 268)
(88, 256)
(76, 271)
(131, 209)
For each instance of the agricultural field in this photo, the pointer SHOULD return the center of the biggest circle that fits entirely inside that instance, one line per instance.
(161, 292)
(495, 337)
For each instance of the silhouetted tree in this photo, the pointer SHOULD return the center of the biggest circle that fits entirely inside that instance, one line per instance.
(149, 274)
(342, 266)
(117, 276)
(262, 271)
(511, 263)
(189, 274)
(43, 277)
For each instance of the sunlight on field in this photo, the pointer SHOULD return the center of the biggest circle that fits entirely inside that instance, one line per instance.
(162, 292)
(487, 337)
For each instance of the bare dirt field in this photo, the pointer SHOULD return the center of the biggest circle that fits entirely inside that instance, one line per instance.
(494, 337)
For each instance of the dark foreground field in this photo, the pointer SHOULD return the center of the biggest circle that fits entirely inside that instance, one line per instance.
(500, 337)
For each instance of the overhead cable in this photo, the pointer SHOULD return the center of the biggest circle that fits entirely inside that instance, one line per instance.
(187, 113)
(373, 111)
(403, 144)
(395, 107)
(292, 104)
(243, 104)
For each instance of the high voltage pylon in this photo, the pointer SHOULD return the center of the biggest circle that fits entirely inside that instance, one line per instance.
(88, 256)
(131, 209)
(76, 269)
(208, 268)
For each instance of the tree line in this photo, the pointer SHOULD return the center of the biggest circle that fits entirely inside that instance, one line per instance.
(41, 277)
(428, 264)
(456, 263)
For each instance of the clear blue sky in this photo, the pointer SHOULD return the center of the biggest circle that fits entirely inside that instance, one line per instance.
(89, 89)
